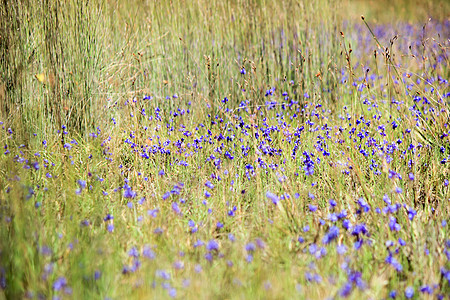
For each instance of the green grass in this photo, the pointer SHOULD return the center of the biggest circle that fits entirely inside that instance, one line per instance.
(75, 79)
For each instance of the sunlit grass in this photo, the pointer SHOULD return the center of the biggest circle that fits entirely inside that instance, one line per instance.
(223, 150)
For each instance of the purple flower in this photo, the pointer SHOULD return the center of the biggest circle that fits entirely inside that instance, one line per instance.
(312, 208)
(411, 213)
(341, 249)
(426, 289)
(198, 243)
(250, 247)
(357, 245)
(176, 208)
(59, 283)
(272, 197)
(172, 292)
(128, 192)
(97, 275)
(198, 269)
(209, 256)
(212, 246)
(363, 204)
(308, 164)
(333, 233)
(393, 225)
(133, 252)
(148, 252)
(158, 230)
(409, 292)
(110, 227)
(178, 265)
(231, 237)
(35, 165)
(260, 243)
(82, 183)
(346, 290)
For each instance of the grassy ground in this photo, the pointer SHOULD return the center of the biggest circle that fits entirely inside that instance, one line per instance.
(215, 149)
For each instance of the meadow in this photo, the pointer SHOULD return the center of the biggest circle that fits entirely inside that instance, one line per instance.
(224, 149)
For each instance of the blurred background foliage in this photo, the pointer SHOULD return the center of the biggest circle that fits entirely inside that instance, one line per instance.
(61, 61)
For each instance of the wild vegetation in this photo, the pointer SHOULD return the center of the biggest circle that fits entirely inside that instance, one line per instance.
(224, 149)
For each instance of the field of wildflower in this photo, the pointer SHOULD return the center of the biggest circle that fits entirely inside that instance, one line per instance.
(224, 149)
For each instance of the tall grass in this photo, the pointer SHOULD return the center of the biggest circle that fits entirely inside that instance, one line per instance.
(100, 99)
(89, 52)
